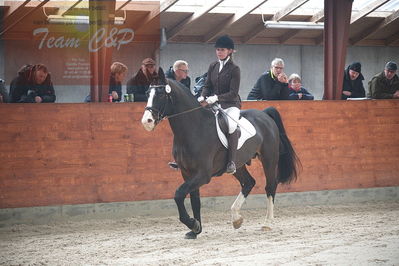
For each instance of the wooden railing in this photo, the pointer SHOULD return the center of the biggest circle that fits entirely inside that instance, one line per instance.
(54, 154)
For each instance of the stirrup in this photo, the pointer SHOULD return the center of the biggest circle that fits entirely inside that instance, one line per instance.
(173, 165)
(231, 168)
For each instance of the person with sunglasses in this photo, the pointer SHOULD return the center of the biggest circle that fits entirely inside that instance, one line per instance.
(179, 72)
(385, 85)
(146, 76)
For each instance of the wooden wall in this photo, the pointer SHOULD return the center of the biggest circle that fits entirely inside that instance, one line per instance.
(52, 154)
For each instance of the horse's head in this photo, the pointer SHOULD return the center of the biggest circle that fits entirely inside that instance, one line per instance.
(159, 105)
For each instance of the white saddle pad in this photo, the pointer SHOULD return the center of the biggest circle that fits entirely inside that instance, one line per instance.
(247, 131)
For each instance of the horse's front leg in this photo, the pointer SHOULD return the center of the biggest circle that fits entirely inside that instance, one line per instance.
(196, 207)
(247, 183)
(187, 187)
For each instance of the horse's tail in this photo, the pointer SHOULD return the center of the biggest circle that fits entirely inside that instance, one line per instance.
(288, 162)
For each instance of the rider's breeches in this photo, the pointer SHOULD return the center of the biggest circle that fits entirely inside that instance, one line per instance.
(233, 114)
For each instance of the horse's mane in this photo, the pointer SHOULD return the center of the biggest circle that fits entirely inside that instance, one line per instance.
(182, 90)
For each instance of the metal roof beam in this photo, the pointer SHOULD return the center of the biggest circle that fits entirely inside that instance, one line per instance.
(14, 8)
(20, 18)
(368, 9)
(193, 17)
(393, 38)
(156, 13)
(370, 30)
(233, 19)
(288, 9)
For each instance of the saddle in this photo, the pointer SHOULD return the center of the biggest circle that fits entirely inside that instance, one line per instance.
(245, 128)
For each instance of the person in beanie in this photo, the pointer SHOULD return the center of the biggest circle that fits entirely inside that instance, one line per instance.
(385, 85)
(222, 86)
(353, 82)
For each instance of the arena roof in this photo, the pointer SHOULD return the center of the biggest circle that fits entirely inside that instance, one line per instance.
(297, 22)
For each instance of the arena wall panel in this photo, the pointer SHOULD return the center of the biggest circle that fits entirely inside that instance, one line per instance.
(55, 154)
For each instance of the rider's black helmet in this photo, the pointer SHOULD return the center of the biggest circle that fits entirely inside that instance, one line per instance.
(224, 42)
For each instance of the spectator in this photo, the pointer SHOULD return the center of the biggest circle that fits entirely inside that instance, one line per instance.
(146, 76)
(271, 85)
(353, 82)
(296, 91)
(32, 85)
(118, 72)
(3, 92)
(200, 82)
(179, 72)
(385, 85)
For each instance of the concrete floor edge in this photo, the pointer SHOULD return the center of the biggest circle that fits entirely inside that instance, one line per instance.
(154, 208)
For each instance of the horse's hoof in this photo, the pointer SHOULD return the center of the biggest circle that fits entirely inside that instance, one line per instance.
(190, 235)
(237, 223)
(265, 228)
(196, 227)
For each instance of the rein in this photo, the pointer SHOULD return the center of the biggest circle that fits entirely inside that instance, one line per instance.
(161, 114)
(181, 113)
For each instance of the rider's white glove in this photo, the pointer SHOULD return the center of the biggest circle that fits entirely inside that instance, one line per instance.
(212, 99)
(201, 99)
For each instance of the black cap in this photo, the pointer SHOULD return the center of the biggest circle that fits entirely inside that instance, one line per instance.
(391, 65)
(224, 42)
(356, 66)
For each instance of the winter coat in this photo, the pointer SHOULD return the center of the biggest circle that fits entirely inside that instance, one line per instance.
(354, 86)
(24, 89)
(225, 84)
(3, 92)
(269, 88)
(382, 88)
(139, 84)
(115, 86)
(170, 74)
(293, 94)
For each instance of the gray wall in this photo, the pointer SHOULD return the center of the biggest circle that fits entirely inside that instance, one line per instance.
(253, 60)
(307, 61)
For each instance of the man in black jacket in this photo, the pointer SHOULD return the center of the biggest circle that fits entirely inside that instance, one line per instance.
(32, 85)
(353, 82)
(179, 72)
(271, 85)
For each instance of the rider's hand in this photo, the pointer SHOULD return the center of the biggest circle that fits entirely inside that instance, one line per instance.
(201, 99)
(212, 99)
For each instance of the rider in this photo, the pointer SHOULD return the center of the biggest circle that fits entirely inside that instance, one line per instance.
(222, 86)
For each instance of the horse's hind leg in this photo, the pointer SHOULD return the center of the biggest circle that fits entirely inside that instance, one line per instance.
(270, 170)
(247, 183)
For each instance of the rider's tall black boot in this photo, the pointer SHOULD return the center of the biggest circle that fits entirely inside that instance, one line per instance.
(231, 157)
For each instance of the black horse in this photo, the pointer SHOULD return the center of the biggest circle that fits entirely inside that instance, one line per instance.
(200, 154)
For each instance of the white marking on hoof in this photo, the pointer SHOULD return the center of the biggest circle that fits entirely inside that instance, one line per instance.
(236, 207)
(270, 207)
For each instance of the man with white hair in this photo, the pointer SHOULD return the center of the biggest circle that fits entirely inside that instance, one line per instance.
(179, 72)
(271, 85)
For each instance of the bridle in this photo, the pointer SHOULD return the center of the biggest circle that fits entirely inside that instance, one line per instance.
(160, 113)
